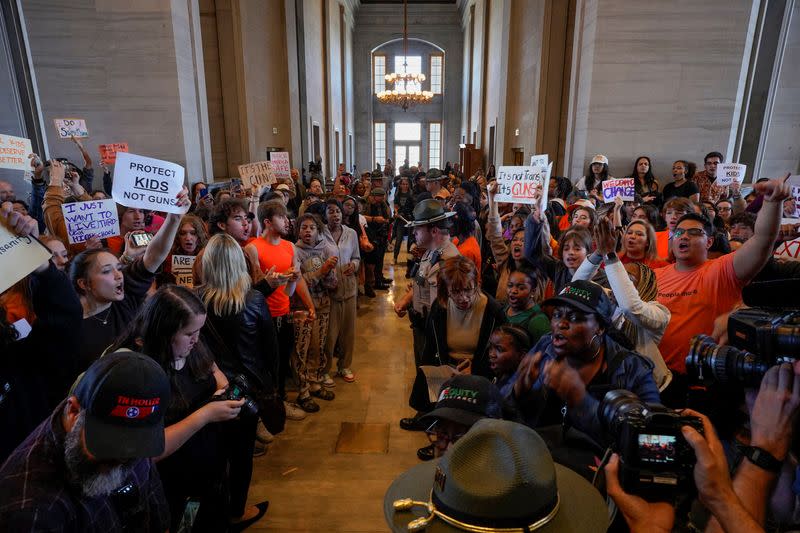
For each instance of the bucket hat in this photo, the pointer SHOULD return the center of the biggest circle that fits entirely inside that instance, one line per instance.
(499, 477)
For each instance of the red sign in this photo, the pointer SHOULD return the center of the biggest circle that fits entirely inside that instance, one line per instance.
(108, 152)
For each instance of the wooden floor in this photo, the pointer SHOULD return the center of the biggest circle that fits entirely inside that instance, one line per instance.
(309, 485)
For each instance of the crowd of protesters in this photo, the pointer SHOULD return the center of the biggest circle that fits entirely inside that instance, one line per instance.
(129, 376)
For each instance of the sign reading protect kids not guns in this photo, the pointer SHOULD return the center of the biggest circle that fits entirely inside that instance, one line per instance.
(71, 127)
(108, 152)
(14, 152)
(147, 183)
(727, 172)
(523, 185)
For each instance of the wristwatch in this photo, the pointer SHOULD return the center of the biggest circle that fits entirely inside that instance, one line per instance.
(611, 257)
(762, 458)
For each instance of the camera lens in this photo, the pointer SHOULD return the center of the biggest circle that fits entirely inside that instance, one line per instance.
(616, 407)
(708, 361)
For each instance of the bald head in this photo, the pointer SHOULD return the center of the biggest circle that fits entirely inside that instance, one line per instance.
(6, 192)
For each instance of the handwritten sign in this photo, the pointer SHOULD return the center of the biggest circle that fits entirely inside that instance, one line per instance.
(84, 220)
(71, 127)
(108, 152)
(182, 270)
(257, 174)
(281, 167)
(19, 256)
(540, 160)
(623, 187)
(727, 172)
(147, 183)
(523, 185)
(14, 152)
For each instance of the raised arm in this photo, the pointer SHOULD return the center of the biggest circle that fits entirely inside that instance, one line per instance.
(158, 249)
(754, 254)
(87, 159)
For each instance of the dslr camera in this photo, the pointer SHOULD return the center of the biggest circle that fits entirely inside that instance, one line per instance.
(760, 338)
(656, 462)
(238, 388)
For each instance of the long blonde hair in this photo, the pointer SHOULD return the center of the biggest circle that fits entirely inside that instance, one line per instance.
(226, 280)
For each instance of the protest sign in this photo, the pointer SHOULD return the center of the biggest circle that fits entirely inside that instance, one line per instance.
(540, 160)
(14, 152)
(257, 174)
(281, 167)
(19, 256)
(108, 152)
(182, 270)
(147, 183)
(623, 187)
(71, 127)
(727, 172)
(96, 218)
(794, 187)
(523, 185)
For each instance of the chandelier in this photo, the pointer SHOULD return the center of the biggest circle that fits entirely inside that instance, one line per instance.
(407, 90)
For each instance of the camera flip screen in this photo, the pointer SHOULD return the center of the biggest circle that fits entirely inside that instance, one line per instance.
(657, 449)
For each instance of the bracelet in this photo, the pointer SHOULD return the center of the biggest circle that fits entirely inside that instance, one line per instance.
(762, 458)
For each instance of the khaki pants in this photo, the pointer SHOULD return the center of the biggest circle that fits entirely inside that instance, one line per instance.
(342, 331)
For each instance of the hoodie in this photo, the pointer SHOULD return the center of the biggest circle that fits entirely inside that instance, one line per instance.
(320, 286)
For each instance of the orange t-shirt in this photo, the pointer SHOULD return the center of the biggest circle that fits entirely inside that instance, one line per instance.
(472, 251)
(695, 299)
(662, 244)
(652, 263)
(280, 256)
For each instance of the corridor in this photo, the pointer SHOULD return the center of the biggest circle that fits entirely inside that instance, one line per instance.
(311, 486)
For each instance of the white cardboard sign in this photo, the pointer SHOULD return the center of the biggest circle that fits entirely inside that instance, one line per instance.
(523, 185)
(623, 187)
(69, 127)
(257, 174)
(182, 270)
(281, 167)
(14, 152)
(540, 160)
(727, 172)
(19, 256)
(96, 218)
(147, 183)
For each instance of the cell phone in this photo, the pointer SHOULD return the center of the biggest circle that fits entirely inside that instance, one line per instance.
(141, 239)
(203, 193)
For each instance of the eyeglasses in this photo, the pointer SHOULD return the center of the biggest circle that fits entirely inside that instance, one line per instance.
(572, 316)
(467, 291)
(438, 435)
(692, 232)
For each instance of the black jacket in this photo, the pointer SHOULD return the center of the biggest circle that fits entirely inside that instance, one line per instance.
(436, 351)
(245, 343)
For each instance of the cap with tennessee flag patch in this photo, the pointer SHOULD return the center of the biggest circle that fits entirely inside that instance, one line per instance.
(124, 395)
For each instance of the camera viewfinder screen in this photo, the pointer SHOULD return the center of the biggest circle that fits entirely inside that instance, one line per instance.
(657, 449)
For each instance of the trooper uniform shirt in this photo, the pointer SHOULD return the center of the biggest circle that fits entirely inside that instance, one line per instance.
(426, 280)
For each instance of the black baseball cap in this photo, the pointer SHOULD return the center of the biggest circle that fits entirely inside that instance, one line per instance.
(124, 395)
(586, 296)
(465, 399)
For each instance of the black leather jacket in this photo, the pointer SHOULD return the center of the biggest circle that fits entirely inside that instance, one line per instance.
(245, 343)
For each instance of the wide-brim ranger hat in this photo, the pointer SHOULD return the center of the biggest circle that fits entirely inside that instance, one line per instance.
(586, 296)
(124, 396)
(434, 174)
(499, 477)
(429, 212)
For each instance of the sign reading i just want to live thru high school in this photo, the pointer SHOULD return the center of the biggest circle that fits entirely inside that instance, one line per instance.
(147, 183)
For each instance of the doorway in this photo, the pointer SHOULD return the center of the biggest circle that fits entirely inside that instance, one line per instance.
(406, 151)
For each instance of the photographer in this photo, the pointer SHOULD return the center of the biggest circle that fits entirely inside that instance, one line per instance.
(566, 373)
(713, 485)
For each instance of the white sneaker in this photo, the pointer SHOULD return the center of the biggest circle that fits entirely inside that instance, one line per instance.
(293, 411)
(347, 375)
(262, 434)
(327, 382)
